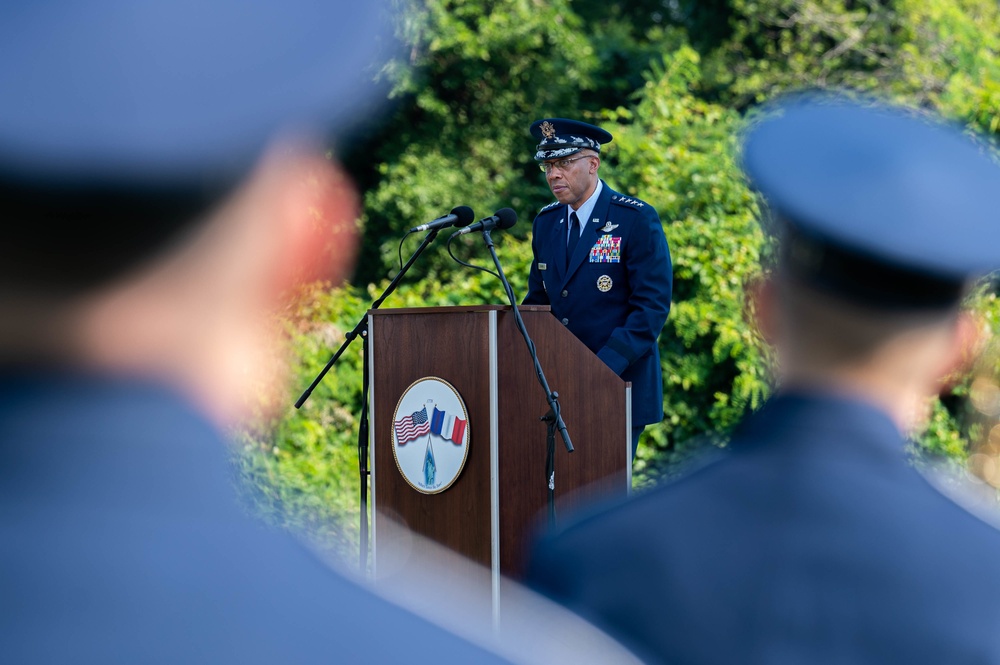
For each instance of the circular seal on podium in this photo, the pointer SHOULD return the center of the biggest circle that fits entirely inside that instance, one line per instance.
(430, 435)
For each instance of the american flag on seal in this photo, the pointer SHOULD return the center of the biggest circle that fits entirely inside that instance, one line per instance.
(411, 427)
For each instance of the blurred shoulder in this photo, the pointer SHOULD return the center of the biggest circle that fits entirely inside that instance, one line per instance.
(693, 477)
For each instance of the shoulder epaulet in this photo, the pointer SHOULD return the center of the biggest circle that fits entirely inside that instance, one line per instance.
(627, 201)
(549, 206)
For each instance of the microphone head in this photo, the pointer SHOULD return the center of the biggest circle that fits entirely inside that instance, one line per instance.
(506, 218)
(464, 214)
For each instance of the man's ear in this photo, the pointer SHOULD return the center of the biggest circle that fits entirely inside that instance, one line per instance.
(318, 206)
(968, 337)
(761, 307)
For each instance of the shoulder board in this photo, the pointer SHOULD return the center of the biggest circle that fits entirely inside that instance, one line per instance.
(627, 201)
(550, 206)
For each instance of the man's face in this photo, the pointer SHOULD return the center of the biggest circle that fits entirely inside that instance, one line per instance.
(573, 183)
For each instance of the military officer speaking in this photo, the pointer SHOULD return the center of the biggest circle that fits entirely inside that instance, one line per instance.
(601, 261)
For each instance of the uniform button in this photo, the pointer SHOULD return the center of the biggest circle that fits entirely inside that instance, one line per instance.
(565, 293)
(565, 322)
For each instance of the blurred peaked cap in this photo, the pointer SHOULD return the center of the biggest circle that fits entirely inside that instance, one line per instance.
(879, 203)
(559, 137)
(140, 92)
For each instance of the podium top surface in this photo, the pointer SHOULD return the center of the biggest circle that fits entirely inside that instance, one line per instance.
(455, 309)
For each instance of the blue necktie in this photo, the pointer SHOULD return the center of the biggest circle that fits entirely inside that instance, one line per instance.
(574, 236)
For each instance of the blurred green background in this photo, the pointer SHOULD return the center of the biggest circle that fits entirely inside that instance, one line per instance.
(675, 81)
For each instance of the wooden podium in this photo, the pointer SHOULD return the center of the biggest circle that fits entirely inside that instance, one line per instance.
(491, 510)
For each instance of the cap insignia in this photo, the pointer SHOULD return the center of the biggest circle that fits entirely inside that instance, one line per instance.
(548, 129)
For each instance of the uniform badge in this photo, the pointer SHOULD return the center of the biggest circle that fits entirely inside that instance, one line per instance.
(608, 228)
(548, 129)
(543, 266)
(604, 283)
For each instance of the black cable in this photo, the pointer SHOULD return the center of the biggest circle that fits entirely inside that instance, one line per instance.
(469, 265)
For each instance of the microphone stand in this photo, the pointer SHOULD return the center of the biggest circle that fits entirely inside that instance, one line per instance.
(361, 330)
(553, 417)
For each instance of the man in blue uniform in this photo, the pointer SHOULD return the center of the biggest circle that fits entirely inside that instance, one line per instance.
(601, 261)
(813, 539)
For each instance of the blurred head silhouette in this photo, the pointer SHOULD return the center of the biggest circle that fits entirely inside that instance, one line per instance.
(164, 179)
(882, 227)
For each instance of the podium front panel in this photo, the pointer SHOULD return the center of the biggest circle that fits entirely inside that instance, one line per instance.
(453, 346)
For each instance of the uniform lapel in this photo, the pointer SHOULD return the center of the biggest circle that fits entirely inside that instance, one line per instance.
(557, 240)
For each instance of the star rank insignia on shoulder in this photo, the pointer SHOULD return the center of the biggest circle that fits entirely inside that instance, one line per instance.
(624, 200)
(549, 206)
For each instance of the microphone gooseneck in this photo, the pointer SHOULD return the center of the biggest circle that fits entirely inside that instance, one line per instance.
(501, 219)
(459, 216)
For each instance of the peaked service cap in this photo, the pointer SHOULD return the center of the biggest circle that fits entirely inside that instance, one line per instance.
(124, 121)
(559, 137)
(880, 205)
(132, 92)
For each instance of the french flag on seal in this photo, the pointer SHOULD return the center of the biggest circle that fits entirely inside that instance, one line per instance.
(447, 426)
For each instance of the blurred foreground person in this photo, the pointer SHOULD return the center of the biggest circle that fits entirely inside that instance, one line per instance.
(812, 539)
(160, 188)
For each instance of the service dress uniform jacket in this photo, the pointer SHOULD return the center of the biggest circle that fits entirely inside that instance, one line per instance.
(121, 542)
(812, 540)
(613, 293)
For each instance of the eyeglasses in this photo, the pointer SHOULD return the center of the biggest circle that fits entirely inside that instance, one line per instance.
(561, 164)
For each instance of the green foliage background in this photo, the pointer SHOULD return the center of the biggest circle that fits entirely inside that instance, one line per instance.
(675, 82)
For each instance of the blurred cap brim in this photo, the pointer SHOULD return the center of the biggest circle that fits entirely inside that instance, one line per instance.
(884, 183)
(142, 93)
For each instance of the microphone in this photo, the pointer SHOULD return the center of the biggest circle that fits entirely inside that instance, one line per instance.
(460, 216)
(504, 218)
